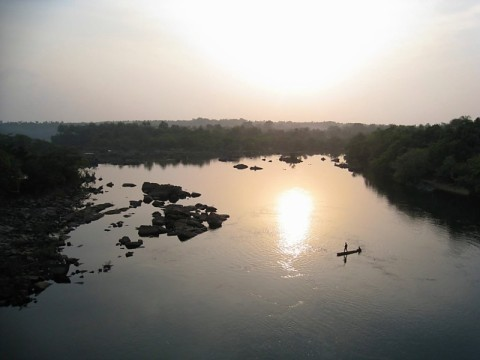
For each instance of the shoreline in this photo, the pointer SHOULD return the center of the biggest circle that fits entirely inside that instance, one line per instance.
(33, 232)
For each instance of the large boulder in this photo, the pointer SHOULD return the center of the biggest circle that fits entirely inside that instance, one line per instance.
(150, 230)
(215, 220)
(163, 192)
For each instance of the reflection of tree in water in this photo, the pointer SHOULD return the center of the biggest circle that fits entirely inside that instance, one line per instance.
(458, 214)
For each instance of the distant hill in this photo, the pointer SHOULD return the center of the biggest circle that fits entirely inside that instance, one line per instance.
(34, 130)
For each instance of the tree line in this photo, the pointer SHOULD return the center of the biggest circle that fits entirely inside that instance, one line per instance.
(247, 138)
(444, 153)
(35, 166)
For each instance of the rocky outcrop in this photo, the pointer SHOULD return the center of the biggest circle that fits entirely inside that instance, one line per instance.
(290, 159)
(164, 192)
(183, 221)
(32, 233)
(240, 166)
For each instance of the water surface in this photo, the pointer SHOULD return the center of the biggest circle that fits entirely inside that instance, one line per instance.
(268, 284)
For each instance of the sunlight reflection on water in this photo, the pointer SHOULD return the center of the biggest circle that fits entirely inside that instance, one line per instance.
(294, 211)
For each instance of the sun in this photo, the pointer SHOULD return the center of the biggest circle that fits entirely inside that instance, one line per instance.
(290, 46)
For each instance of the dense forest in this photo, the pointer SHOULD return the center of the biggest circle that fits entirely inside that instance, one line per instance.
(45, 130)
(248, 138)
(438, 155)
(35, 166)
(446, 154)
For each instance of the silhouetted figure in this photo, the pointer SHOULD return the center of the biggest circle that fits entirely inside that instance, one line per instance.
(346, 247)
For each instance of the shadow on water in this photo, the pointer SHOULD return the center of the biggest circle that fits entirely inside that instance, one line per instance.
(456, 213)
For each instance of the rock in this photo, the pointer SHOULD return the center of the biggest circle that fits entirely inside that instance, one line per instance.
(195, 195)
(110, 184)
(124, 240)
(147, 199)
(128, 185)
(107, 266)
(200, 206)
(158, 203)
(162, 192)
(129, 253)
(186, 234)
(150, 230)
(134, 244)
(341, 165)
(187, 228)
(135, 203)
(158, 221)
(215, 220)
(41, 285)
(292, 159)
(240, 166)
(115, 211)
(129, 244)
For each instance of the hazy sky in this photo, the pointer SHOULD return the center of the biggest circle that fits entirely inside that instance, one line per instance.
(370, 61)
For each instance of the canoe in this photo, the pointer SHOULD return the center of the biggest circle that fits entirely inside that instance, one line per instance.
(359, 250)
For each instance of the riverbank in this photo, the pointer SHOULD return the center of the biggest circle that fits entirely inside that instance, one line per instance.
(33, 231)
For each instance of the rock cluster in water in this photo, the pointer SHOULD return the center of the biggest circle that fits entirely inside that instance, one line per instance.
(183, 221)
(33, 233)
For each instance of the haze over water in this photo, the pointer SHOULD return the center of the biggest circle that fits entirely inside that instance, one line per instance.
(268, 284)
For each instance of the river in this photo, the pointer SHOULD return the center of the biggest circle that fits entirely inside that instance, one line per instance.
(267, 284)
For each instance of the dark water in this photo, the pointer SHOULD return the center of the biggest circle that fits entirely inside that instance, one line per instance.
(268, 284)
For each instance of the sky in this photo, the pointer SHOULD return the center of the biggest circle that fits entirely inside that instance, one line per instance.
(371, 61)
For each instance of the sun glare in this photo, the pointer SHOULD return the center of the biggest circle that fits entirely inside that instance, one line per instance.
(291, 46)
(294, 211)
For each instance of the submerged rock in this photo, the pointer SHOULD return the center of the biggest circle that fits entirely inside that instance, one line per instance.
(240, 166)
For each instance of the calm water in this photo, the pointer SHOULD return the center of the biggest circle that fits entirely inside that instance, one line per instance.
(268, 284)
